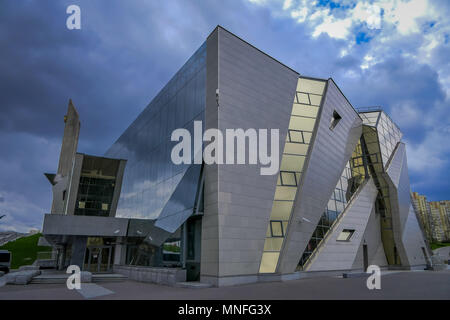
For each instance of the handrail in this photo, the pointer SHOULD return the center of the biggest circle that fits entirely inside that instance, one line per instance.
(369, 109)
(333, 225)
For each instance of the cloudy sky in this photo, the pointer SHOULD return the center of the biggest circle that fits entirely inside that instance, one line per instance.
(393, 54)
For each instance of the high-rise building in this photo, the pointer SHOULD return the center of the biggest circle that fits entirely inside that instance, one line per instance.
(423, 209)
(441, 225)
(315, 185)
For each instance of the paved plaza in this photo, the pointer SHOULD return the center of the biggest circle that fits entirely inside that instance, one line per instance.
(394, 285)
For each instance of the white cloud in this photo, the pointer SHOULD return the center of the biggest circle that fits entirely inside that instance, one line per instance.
(432, 153)
(21, 214)
(335, 28)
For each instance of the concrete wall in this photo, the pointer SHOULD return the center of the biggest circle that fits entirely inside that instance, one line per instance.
(256, 91)
(331, 149)
(166, 276)
(78, 250)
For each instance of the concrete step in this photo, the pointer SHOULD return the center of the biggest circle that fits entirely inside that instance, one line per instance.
(62, 278)
(355, 275)
(193, 285)
(109, 277)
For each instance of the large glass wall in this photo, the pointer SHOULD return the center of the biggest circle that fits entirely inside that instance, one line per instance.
(96, 186)
(376, 163)
(305, 108)
(150, 177)
(335, 207)
(388, 132)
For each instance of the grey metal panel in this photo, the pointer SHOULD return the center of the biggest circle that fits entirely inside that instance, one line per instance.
(331, 149)
(371, 238)
(339, 255)
(255, 91)
(413, 240)
(399, 203)
(408, 245)
(209, 264)
(55, 224)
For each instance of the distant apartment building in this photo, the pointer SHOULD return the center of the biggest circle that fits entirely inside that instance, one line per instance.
(422, 207)
(439, 214)
(434, 217)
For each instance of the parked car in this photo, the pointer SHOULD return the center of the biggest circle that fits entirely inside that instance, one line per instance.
(5, 260)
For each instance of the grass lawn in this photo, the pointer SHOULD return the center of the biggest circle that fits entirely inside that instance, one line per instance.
(435, 245)
(24, 250)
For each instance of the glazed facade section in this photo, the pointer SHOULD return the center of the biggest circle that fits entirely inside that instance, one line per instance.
(307, 101)
(150, 176)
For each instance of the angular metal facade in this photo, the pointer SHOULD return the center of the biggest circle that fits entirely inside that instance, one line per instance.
(339, 201)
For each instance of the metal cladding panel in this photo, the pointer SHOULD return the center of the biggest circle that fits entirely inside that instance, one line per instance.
(331, 149)
(255, 91)
(340, 255)
(210, 234)
(371, 238)
(399, 191)
(399, 188)
(58, 224)
(413, 240)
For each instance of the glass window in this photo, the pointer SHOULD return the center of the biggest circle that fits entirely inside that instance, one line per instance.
(303, 98)
(288, 178)
(295, 136)
(295, 148)
(315, 99)
(335, 120)
(276, 228)
(273, 244)
(269, 262)
(307, 136)
(300, 123)
(285, 193)
(304, 110)
(345, 235)
(292, 162)
(281, 210)
(311, 86)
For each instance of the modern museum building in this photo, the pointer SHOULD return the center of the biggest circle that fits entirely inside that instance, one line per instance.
(338, 201)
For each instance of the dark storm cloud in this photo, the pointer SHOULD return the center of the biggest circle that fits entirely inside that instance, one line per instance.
(124, 54)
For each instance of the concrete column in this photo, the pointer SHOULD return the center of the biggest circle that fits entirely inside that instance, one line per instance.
(61, 257)
(119, 251)
(78, 251)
